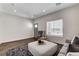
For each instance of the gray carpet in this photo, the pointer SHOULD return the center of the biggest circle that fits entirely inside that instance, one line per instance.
(23, 51)
(18, 51)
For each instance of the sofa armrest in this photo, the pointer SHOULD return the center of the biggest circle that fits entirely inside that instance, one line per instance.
(64, 49)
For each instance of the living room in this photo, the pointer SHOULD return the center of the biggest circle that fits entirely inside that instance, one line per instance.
(22, 25)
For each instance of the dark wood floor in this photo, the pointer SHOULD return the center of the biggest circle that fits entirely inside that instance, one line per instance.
(10, 45)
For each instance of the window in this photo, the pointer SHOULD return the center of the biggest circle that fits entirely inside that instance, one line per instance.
(55, 28)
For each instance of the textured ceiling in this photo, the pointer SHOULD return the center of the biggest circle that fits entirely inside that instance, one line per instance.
(32, 10)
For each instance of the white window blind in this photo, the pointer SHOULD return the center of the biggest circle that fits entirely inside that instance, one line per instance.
(55, 28)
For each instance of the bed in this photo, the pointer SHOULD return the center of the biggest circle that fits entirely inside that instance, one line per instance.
(46, 49)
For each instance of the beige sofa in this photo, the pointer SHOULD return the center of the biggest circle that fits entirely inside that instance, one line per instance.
(72, 46)
(64, 50)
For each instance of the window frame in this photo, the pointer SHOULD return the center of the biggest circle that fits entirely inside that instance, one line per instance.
(53, 34)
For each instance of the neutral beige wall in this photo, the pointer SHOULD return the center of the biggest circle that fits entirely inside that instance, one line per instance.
(70, 18)
(14, 28)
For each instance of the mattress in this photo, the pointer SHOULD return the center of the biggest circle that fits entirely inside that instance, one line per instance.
(46, 49)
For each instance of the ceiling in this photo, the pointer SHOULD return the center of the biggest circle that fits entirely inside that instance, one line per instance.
(32, 10)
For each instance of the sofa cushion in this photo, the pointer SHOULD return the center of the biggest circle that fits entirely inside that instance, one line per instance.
(76, 41)
(74, 47)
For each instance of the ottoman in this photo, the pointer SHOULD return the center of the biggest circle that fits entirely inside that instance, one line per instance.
(46, 49)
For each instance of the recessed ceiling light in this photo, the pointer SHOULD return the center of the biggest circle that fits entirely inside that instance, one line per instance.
(14, 10)
(44, 10)
(32, 16)
(58, 4)
(13, 4)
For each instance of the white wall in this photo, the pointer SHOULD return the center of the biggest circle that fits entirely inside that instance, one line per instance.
(14, 28)
(70, 18)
